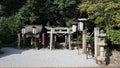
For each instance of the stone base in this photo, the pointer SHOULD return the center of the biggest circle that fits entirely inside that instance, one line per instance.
(115, 58)
(100, 60)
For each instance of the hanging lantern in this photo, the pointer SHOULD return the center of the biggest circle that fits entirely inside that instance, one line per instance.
(23, 31)
(34, 30)
(74, 28)
(80, 26)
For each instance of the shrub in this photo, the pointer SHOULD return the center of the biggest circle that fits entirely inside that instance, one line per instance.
(114, 39)
(114, 36)
(8, 30)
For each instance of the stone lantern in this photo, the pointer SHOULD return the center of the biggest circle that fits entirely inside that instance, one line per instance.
(101, 45)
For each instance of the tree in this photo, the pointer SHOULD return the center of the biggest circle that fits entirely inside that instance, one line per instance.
(18, 13)
(60, 12)
(27, 14)
(105, 14)
(11, 6)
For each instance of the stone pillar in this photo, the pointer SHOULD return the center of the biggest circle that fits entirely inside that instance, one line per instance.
(69, 40)
(96, 47)
(51, 38)
(84, 41)
(102, 54)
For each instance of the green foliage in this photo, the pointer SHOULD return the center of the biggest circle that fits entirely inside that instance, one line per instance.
(60, 12)
(11, 6)
(8, 29)
(64, 3)
(52, 12)
(26, 14)
(18, 13)
(69, 22)
(114, 36)
(105, 14)
(102, 12)
(99, 20)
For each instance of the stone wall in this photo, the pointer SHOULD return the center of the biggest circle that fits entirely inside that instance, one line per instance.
(115, 58)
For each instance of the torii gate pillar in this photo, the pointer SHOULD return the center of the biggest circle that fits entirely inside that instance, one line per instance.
(69, 39)
(51, 38)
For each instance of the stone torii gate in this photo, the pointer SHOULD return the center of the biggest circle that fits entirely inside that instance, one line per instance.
(61, 30)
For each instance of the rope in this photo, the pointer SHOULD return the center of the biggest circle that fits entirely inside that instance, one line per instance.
(90, 36)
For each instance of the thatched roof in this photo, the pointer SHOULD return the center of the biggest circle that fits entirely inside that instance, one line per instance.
(28, 28)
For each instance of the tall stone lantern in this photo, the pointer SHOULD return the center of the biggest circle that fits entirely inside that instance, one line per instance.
(101, 45)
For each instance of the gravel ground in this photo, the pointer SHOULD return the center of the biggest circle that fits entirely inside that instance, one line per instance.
(44, 58)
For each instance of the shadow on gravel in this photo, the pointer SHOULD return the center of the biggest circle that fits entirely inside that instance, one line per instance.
(11, 51)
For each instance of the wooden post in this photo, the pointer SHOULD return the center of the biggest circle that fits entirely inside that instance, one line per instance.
(84, 41)
(96, 47)
(31, 41)
(35, 42)
(69, 40)
(18, 40)
(78, 47)
(23, 36)
(54, 41)
(65, 41)
(43, 39)
(51, 38)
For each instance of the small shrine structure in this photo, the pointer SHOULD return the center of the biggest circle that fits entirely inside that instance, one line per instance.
(34, 32)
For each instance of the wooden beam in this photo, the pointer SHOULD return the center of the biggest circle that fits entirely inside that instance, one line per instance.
(60, 30)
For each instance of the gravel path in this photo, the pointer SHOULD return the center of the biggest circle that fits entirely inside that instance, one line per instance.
(44, 58)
